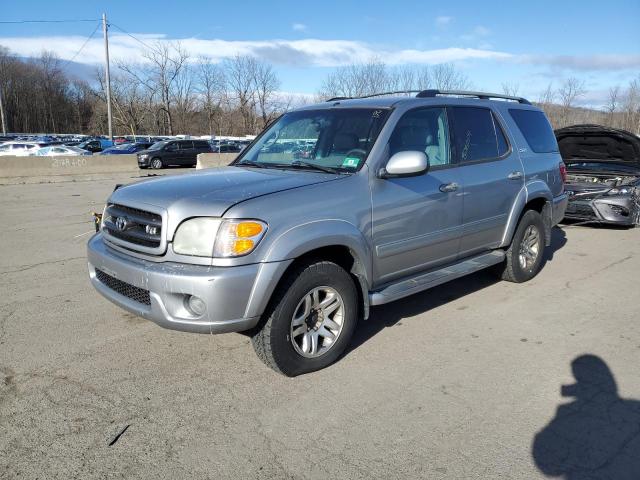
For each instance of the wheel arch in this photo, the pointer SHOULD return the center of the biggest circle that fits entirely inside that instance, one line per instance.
(336, 241)
(536, 196)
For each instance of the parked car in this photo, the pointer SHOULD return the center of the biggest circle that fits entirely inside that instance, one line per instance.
(603, 166)
(19, 148)
(173, 152)
(402, 194)
(126, 148)
(60, 150)
(95, 145)
(226, 148)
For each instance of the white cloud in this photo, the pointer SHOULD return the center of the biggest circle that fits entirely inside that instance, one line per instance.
(304, 52)
(299, 27)
(443, 21)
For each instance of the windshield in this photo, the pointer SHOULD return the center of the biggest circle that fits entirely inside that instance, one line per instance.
(157, 145)
(335, 139)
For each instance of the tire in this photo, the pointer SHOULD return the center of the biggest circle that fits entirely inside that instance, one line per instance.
(513, 270)
(276, 342)
(156, 163)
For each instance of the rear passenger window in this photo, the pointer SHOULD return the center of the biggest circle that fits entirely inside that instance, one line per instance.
(477, 137)
(536, 130)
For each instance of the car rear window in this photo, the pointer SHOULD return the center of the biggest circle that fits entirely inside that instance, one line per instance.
(536, 129)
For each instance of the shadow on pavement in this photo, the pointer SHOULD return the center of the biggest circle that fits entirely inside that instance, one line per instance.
(388, 315)
(597, 436)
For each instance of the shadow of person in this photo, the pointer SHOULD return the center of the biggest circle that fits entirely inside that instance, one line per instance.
(597, 436)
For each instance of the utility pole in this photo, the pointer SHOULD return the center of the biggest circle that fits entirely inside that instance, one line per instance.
(4, 123)
(106, 70)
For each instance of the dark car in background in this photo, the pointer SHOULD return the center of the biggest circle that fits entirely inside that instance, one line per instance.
(173, 153)
(603, 174)
(226, 148)
(95, 145)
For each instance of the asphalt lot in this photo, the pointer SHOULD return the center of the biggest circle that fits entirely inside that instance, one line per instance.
(453, 383)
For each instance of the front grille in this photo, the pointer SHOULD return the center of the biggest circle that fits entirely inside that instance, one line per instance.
(136, 294)
(133, 226)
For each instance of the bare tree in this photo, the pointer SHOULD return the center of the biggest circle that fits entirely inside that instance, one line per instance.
(240, 74)
(612, 103)
(447, 77)
(510, 88)
(570, 90)
(266, 84)
(211, 86)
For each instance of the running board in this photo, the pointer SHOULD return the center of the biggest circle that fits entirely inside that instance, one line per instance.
(432, 279)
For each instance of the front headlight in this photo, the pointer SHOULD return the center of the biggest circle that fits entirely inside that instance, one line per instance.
(196, 236)
(206, 237)
(619, 191)
(143, 156)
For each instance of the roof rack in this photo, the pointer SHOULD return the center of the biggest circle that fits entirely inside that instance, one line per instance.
(431, 93)
(396, 92)
(462, 93)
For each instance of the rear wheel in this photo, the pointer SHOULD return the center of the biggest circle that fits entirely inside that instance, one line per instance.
(310, 321)
(525, 255)
(156, 164)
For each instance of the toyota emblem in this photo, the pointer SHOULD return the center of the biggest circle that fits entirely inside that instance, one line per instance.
(122, 223)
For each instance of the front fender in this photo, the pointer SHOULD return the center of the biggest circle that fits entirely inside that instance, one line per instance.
(302, 239)
(305, 237)
(531, 191)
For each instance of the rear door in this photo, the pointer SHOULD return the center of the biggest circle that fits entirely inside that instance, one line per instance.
(491, 173)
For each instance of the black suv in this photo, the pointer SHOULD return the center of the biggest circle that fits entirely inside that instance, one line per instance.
(183, 153)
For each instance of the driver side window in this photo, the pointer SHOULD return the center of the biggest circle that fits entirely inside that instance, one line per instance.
(423, 130)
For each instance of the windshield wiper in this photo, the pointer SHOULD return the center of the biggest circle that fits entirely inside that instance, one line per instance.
(313, 166)
(250, 163)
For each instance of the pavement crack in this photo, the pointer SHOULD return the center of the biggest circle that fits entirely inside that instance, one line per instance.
(23, 268)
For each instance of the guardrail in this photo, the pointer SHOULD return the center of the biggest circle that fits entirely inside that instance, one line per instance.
(35, 166)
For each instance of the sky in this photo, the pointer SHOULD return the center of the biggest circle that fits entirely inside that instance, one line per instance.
(528, 44)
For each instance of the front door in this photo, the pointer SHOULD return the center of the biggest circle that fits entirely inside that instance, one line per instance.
(417, 220)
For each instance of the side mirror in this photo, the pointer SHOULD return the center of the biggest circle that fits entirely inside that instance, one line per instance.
(405, 164)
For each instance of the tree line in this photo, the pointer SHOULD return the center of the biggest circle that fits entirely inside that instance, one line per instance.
(170, 92)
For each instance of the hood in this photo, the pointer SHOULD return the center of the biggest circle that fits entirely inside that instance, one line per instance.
(596, 143)
(211, 192)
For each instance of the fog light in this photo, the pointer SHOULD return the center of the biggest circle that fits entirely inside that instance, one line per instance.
(195, 305)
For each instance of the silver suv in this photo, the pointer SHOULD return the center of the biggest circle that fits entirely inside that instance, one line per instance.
(332, 209)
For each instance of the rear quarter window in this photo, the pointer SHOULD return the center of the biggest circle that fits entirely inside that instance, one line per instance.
(536, 130)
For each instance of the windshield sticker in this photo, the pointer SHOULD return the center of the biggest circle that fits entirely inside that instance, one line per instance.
(351, 162)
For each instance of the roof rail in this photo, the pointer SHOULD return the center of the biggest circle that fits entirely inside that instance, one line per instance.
(335, 99)
(462, 93)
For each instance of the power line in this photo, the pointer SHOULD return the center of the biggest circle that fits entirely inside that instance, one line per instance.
(47, 21)
(132, 36)
(85, 43)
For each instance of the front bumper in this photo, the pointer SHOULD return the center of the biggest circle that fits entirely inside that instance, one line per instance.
(157, 291)
(615, 210)
(143, 162)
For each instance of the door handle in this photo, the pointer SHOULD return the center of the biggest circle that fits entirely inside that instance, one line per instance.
(449, 187)
(515, 175)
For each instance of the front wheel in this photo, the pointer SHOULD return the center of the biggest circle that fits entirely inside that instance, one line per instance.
(310, 321)
(525, 255)
(156, 164)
